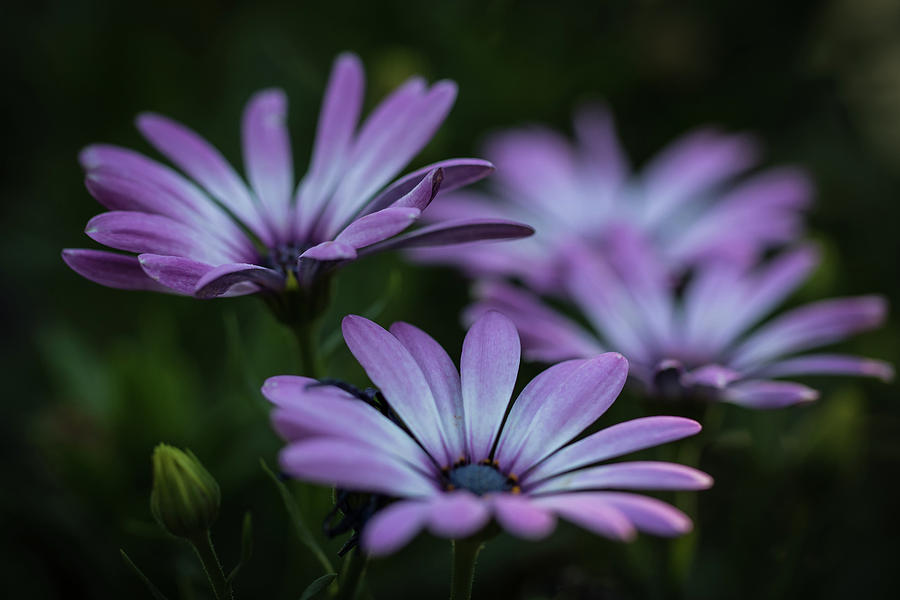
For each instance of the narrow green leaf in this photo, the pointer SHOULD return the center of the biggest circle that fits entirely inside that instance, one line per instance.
(154, 591)
(300, 527)
(246, 546)
(317, 586)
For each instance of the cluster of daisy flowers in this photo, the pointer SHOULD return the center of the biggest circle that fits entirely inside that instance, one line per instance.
(666, 275)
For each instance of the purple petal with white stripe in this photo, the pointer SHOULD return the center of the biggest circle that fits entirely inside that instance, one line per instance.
(113, 270)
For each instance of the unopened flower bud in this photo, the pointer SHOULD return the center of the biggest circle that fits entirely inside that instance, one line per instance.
(185, 498)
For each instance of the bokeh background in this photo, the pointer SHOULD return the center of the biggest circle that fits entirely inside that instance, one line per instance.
(806, 498)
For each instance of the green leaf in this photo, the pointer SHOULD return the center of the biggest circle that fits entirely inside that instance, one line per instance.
(317, 586)
(246, 546)
(300, 527)
(154, 591)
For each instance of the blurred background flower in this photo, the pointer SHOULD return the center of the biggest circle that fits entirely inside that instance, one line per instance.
(802, 506)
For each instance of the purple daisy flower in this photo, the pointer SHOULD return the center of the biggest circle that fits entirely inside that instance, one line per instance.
(220, 236)
(704, 341)
(688, 201)
(450, 459)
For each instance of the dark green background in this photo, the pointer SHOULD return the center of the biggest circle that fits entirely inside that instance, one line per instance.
(805, 500)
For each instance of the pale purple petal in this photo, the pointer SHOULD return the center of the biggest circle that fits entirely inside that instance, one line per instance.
(604, 155)
(634, 475)
(322, 258)
(768, 394)
(617, 440)
(175, 272)
(221, 279)
(110, 269)
(521, 517)
(395, 372)
(488, 370)
(337, 123)
(810, 326)
(205, 164)
(648, 514)
(353, 466)
(537, 429)
(828, 364)
(457, 172)
(378, 226)
(456, 232)
(267, 157)
(394, 526)
(443, 379)
(714, 376)
(586, 511)
(457, 515)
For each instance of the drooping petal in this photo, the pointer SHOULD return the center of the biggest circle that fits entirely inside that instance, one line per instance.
(378, 226)
(395, 372)
(110, 269)
(521, 517)
(267, 157)
(809, 326)
(457, 515)
(634, 475)
(175, 272)
(353, 466)
(322, 258)
(457, 172)
(455, 232)
(488, 370)
(394, 526)
(617, 440)
(543, 427)
(221, 279)
(828, 364)
(443, 379)
(337, 123)
(206, 165)
(648, 514)
(586, 511)
(768, 394)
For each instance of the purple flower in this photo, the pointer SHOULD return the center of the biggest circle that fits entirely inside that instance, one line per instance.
(704, 341)
(450, 459)
(220, 236)
(687, 201)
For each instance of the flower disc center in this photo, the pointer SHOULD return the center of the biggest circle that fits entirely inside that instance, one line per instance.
(479, 479)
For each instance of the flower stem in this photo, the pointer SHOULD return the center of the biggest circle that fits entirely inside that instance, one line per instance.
(352, 575)
(305, 332)
(203, 546)
(465, 554)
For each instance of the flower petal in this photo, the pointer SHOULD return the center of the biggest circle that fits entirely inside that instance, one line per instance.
(488, 370)
(828, 364)
(443, 379)
(394, 526)
(617, 440)
(267, 157)
(353, 466)
(221, 279)
(175, 272)
(457, 515)
(585, 511)
(521, 517)
(456, 232)
(322, 258)
(768, 394)
(457, 172)
(378, 226)
(394, 371)
(205, 164)
(110, 269)
(537, 429)
(634, 475)
(648, 514)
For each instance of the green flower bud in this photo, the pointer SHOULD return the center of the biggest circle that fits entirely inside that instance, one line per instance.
(185, 498)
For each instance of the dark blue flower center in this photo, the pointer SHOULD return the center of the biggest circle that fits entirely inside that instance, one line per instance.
(479, 479)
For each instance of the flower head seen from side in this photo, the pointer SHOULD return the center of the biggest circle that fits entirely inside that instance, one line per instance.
(704, 341)
(451, 461)
(694, 202)
(217, 235)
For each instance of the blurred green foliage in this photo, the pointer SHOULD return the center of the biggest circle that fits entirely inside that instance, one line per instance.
(805, 501)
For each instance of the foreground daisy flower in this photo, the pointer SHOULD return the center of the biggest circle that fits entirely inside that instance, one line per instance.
(694, 202)
(703, 342)
(228, 238)
(451, 461)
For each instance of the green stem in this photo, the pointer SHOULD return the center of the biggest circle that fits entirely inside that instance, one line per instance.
(465, 554)
(306, 343)
(351, 575)
(203, 546)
